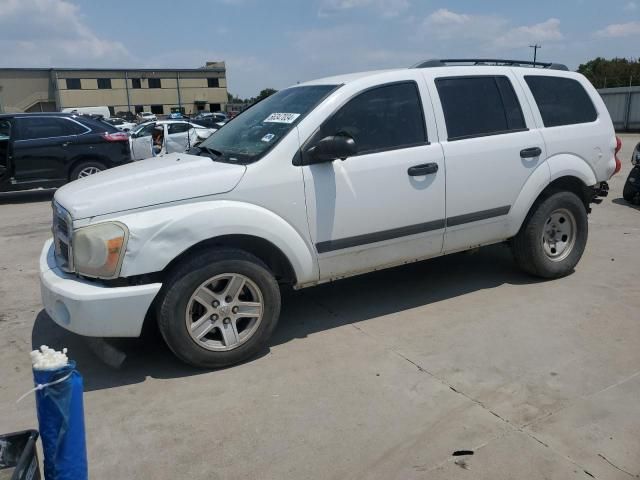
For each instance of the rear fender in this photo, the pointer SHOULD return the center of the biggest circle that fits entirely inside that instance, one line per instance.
(558, 166)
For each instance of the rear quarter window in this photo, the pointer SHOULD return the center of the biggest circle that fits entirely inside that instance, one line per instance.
(561, 101)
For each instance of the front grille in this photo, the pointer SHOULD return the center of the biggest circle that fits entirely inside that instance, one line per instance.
(62, 234)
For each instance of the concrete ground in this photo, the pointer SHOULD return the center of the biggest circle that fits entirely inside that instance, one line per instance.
(383, 376)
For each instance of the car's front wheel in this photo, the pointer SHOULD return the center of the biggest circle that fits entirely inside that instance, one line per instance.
(218, 308)
(553, 237)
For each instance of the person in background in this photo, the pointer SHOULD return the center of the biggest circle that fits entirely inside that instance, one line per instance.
(157, 140)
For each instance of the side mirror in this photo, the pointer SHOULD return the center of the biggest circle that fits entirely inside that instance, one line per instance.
(332, 147)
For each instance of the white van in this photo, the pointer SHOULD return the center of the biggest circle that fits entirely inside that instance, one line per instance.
(102, 111)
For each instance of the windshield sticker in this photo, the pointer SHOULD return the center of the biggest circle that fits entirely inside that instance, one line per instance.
(268, 137)
(281, 118)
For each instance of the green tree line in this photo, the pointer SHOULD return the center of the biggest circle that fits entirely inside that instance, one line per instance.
(617, 72)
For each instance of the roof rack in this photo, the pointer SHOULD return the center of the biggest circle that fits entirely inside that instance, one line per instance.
(488, 61)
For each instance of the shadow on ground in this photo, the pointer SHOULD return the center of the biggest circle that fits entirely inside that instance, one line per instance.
(27, 196)
(622, 201)
(305, 312)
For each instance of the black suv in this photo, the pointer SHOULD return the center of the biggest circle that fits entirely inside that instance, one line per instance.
(51, 149)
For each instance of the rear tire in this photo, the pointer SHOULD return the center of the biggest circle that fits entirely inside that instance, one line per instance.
(218, 308)
(553, 237)
(86, 169)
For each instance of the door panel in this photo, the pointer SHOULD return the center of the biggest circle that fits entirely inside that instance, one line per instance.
(42, 147)
(142, 143)
(488, 143)
(177, 137)
(370, 210)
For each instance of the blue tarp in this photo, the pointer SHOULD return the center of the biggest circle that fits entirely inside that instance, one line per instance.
(61, 419)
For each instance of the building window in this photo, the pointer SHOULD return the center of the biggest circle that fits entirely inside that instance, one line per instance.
(213, 82)
(136, 83)
(139, 108)
(214, 107)
(73, 84)
(157, 109)
(155, 83)
(104, 83)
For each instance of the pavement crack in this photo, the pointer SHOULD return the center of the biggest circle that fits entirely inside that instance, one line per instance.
(617, 467)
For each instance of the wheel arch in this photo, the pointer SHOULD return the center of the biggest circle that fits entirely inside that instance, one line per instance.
(562, 173)
(161, 237)
(264, 250)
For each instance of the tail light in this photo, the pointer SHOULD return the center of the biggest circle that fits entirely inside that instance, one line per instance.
(618, 162)
(116, 137)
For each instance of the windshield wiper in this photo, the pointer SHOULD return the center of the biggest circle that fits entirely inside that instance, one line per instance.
(210, 151)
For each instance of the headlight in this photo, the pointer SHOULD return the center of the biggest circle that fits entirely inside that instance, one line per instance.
(98, 249)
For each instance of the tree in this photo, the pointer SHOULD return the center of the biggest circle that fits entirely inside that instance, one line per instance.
(617, 72)
(265, 93)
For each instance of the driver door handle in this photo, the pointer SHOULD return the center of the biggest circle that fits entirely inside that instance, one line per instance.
(424, 169)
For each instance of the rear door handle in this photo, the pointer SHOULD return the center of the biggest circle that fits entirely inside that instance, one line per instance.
(66, 144)
(424, 169)
(531, 152)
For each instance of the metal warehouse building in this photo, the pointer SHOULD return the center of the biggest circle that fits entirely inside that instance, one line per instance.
(160, 91)
(623, 104)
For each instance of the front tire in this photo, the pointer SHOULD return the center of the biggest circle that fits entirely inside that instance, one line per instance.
(553, 237)
(218, 308)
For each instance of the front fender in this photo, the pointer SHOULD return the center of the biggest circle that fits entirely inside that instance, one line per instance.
(158, 236)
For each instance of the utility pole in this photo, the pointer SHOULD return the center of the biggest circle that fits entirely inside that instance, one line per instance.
(535, 52)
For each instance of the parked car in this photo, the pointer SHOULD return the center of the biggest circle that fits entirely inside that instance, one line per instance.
(147, 117)
(126, 115)
(213, 118)
(51, 149)
(210, 122)
(177, 135)
(100, 112)
(325, 180)
(631, 189)
(121, 124)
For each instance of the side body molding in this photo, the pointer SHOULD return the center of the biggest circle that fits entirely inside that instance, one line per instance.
(160, 235)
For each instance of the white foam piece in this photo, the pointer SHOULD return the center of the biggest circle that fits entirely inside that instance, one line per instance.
(48, 359)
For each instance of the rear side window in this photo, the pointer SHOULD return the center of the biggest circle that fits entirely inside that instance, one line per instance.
(178, 128)
(382, 118)
(561, 101)
(479, 106)
(48, 127)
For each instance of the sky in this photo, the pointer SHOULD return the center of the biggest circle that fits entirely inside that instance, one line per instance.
(277, 43)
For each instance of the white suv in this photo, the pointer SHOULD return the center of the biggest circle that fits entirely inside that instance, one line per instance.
(324, 180)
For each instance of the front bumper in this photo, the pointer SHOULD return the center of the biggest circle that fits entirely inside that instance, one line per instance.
(88, 308)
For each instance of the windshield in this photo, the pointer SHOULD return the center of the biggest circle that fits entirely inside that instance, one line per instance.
(253, 133)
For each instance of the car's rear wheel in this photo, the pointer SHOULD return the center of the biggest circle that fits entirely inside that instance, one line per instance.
(86, 169)
(553, 237)
(218, 308)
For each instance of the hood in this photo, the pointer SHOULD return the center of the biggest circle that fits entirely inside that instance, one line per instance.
(168, 178)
